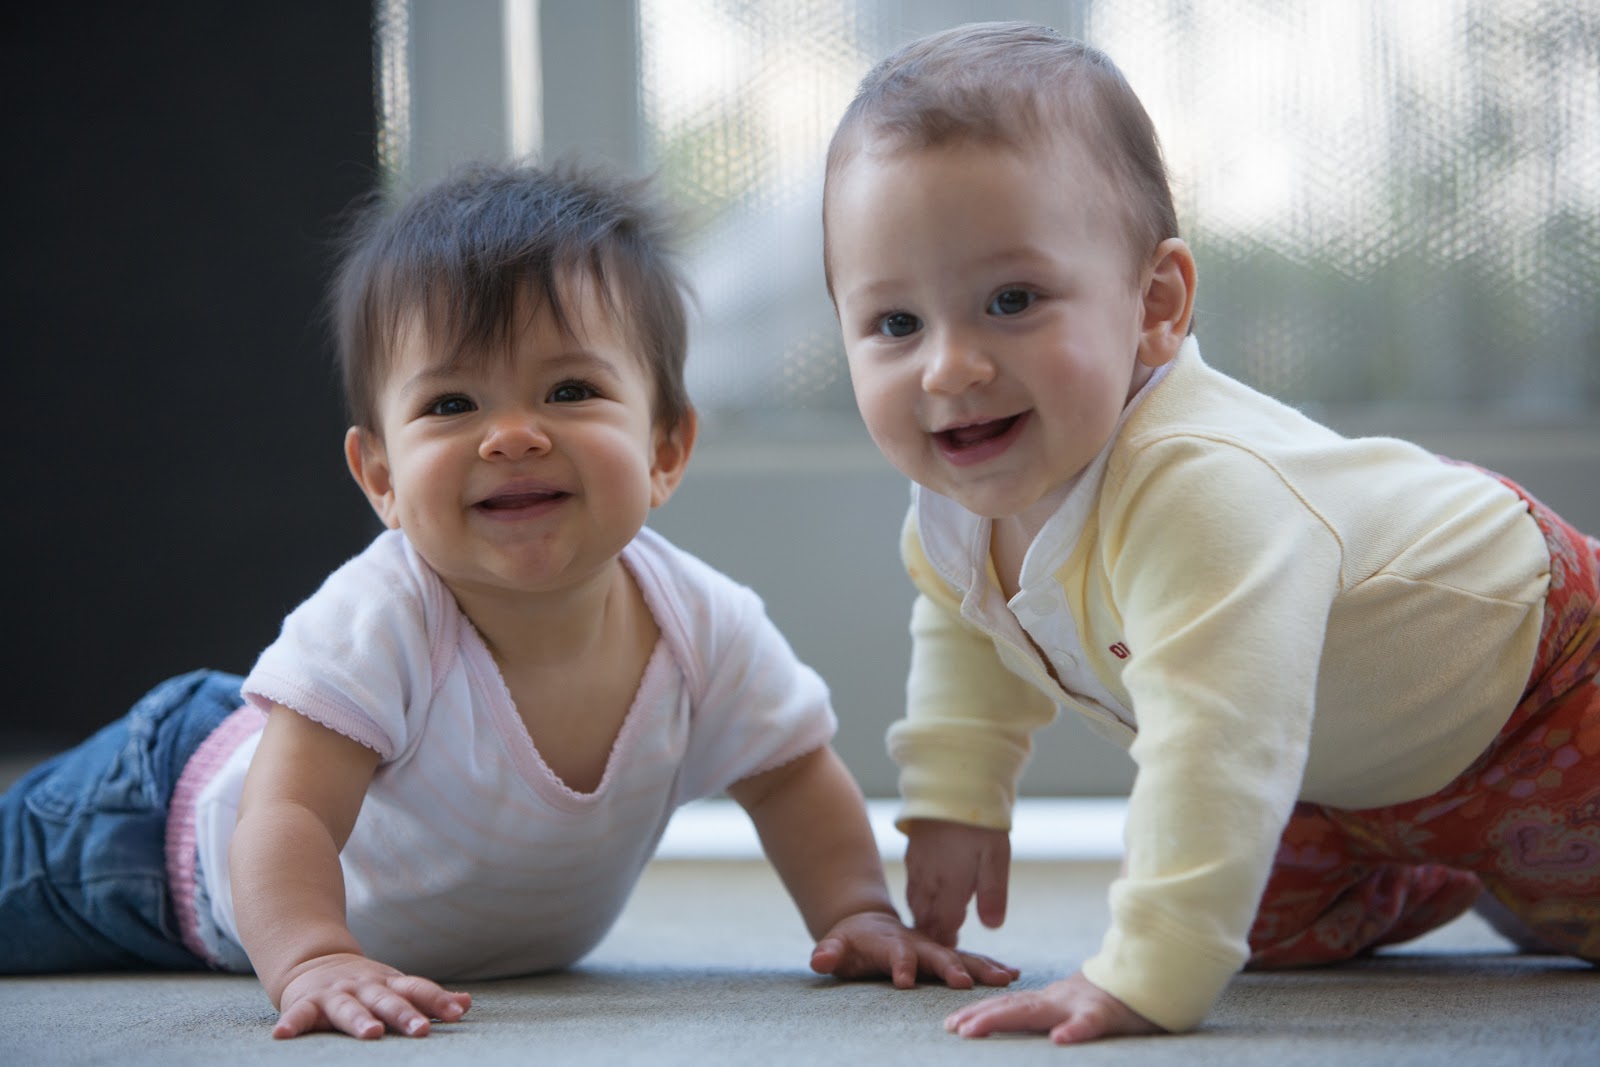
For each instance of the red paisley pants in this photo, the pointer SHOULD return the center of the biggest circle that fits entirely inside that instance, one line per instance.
(1522, 822)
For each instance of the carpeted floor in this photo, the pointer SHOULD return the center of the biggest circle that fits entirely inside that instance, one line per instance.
(707, 966)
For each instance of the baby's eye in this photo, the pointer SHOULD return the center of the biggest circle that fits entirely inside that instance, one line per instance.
(1011, 302)
(899, 324)
(454, 404)
(572, 392)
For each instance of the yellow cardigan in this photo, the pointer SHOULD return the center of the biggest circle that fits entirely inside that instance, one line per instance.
(1261, 611)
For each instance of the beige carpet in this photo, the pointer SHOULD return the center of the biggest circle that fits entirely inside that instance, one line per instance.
(707, 966)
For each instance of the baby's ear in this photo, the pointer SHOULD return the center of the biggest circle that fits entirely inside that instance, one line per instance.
(1168, 302)
(671, 457)
(369, 466)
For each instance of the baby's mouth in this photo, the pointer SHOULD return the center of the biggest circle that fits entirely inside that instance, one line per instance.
(960, 438)
(518, 501)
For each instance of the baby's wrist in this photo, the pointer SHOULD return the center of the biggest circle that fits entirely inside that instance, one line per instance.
(883, 910)
(276, 979)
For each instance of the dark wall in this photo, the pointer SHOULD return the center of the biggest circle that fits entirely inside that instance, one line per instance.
(173, 480)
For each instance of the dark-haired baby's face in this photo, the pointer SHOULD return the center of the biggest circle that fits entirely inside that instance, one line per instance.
(519, 474)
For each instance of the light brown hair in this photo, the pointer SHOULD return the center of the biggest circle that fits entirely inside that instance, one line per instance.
(1015, 85)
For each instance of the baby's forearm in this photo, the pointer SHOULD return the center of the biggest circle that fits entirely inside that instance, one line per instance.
(288, 893)
(839, 886)
(813, 826)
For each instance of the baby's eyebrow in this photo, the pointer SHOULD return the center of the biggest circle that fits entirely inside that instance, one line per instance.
(1022, 257)
(426, 379)
(874, 292)
(582, 359)
(570, 362)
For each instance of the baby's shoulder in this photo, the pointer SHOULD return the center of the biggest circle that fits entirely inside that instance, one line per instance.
(703, 613)
(678, 579)
(385, 585)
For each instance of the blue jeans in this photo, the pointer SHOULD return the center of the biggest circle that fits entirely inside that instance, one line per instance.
(83, 868)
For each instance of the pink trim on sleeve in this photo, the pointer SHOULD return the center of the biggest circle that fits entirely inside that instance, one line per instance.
(207, 760)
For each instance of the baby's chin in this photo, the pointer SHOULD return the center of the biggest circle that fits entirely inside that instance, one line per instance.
(1029, 510)
(985, 505)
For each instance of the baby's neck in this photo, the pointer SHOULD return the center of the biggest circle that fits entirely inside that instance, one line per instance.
(572, 666)
(556, 629)
(1008, 547)
(1010, 537)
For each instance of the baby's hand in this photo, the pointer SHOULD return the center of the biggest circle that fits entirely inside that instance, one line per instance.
(362, 998)
(1070, 1011)
(947, 864)
(874, 943)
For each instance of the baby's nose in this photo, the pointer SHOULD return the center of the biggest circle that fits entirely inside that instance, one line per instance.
(956, 363)
(514, 434)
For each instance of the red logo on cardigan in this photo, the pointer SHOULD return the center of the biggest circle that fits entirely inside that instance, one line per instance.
(1120, 650)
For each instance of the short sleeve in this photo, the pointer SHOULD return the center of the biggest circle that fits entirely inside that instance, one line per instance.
(357, 656)
(754, 704)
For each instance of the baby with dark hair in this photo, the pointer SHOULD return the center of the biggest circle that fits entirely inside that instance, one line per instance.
(461, 751)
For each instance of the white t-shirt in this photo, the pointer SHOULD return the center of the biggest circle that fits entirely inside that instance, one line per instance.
(470, 858)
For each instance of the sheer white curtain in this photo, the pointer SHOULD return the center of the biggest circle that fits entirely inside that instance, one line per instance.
(1396, 206)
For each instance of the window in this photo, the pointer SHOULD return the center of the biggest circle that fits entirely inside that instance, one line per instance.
(1395, 209)
(1403, 217)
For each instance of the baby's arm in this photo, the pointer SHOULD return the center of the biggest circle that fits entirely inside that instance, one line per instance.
(947, 864)
(965, 739)
(300, 801)
(812, 822)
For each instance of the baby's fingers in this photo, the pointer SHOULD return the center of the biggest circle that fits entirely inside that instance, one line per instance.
(369, 1010)
(937, 913)
(993, 875)
(301, 1017)
(827, 957)
(904, 965)
(1029, 1012)
(947, 966)
(429, 998)
(987, 971)
(337, 1011)
(960, 970)
(852, 958)
(396, 1012)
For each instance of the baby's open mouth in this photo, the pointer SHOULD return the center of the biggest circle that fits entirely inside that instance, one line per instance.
(963, 437)
(516, 501)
